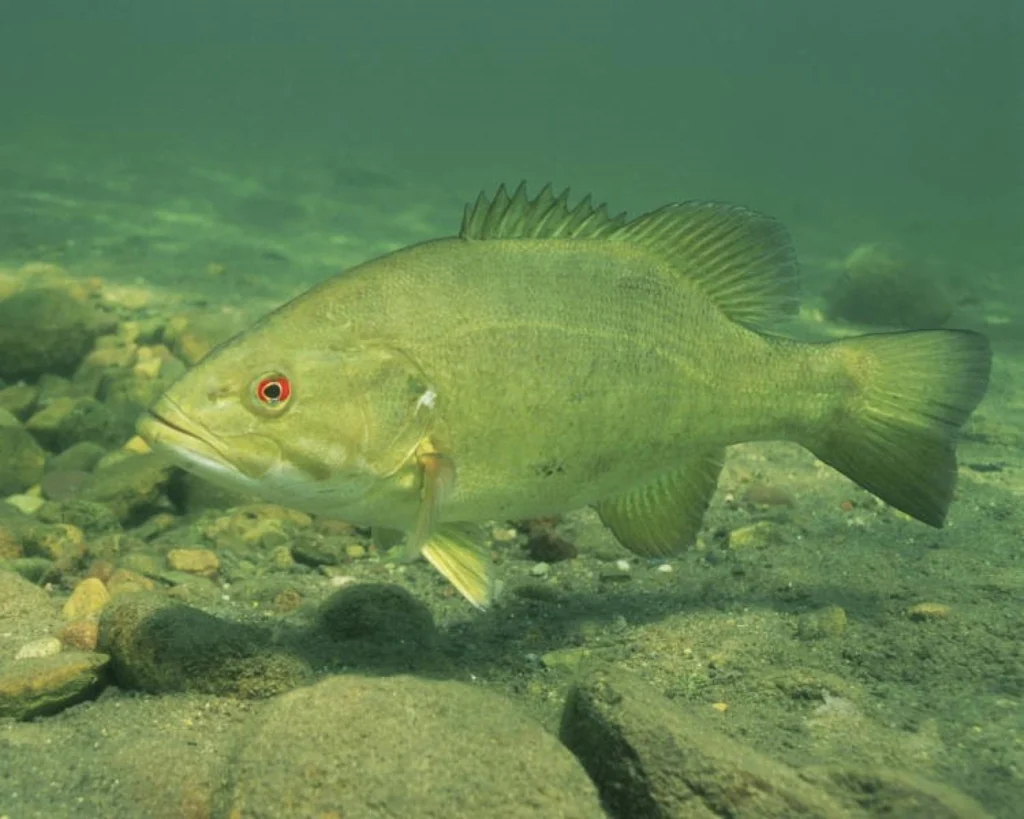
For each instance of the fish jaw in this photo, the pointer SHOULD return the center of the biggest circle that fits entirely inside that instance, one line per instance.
(170, 431)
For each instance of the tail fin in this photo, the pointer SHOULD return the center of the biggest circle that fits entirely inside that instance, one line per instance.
(896, 436)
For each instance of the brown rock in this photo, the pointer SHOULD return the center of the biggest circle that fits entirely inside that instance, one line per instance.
(194, 561)
(80, 635)
(87, 600)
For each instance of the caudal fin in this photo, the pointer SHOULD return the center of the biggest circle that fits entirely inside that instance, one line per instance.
(896, 436)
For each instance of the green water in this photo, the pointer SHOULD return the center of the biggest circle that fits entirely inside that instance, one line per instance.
(229, 154)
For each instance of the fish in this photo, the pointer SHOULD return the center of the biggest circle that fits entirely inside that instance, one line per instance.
(552, 356)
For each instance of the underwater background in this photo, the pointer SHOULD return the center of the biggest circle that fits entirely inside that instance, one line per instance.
(169, 172)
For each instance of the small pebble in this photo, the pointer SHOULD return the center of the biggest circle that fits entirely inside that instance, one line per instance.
(43, 647)
(928, 611)
(623, 565)
(664, 568)
(540, 570)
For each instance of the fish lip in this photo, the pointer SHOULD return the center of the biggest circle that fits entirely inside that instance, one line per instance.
(165, 426)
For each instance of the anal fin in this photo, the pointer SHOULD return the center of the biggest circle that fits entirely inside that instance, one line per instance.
(662, 518)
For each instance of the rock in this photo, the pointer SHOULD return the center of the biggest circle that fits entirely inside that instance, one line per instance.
(755, 535)
(80, 457)
(380, 624)
(152, 757)
(93, 519)
(133, 488)
(80, 635)
(650, 758)
(887, 792)
(45, 330)
(159, 645)
(62, 543)
(43, 647)
(87, 600)
(928, 611)
(46, 685)
(64, 484)
(19, 399)
(26, 612)
(10, 546)
(826, 622)
(22, 460)
(565, 659)
(882, 285)
(194, 561)
(29, 504)
(548, 547)
(72, 419)
(402, 746)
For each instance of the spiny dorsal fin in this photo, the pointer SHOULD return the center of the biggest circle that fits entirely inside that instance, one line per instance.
(742, 260)
(545, 217)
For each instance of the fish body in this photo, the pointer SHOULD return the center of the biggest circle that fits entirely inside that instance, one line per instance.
(549, 358)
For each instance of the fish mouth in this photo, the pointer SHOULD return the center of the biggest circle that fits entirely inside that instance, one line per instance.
(166, 427)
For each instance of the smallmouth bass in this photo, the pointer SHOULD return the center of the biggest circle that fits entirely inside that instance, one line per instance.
(550, 357)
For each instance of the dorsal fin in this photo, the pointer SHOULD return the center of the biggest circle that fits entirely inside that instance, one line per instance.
(741, 259)
(545, 217)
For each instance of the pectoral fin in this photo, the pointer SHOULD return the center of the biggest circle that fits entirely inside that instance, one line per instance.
(438, 481)
(464, 560)
(662, 518)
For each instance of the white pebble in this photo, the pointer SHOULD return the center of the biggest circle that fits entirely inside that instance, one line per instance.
(540, 570)
(623, 565)
(665, 567)
(43, 647)
(341, 580)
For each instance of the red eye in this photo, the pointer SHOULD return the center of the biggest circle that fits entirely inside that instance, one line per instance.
(273, 390)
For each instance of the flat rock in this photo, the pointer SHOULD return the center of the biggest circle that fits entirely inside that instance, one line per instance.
(45, 685)
(654, 760)
(26, 613)
(402, 746)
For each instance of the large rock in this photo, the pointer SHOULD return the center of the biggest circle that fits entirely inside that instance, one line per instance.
(22, 460)
(26, 613)
(401, 746)
(653, 760)
(159, 645)
(45, 331)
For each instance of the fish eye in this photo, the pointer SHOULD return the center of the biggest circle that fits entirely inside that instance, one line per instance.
(272, 391)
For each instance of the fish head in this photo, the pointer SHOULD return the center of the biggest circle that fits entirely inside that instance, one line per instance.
(318, 430)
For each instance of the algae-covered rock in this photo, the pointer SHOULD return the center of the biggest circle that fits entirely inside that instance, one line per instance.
(402, 746)
(883, 285)
(19, 399)
(133, 489)
(79, 457)
(651, 759)
(92, 518)
(22, 460)
(45, 330)
(380, 613)
(887, 792)
(45, 685)
(158, 645)
(26, 613)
